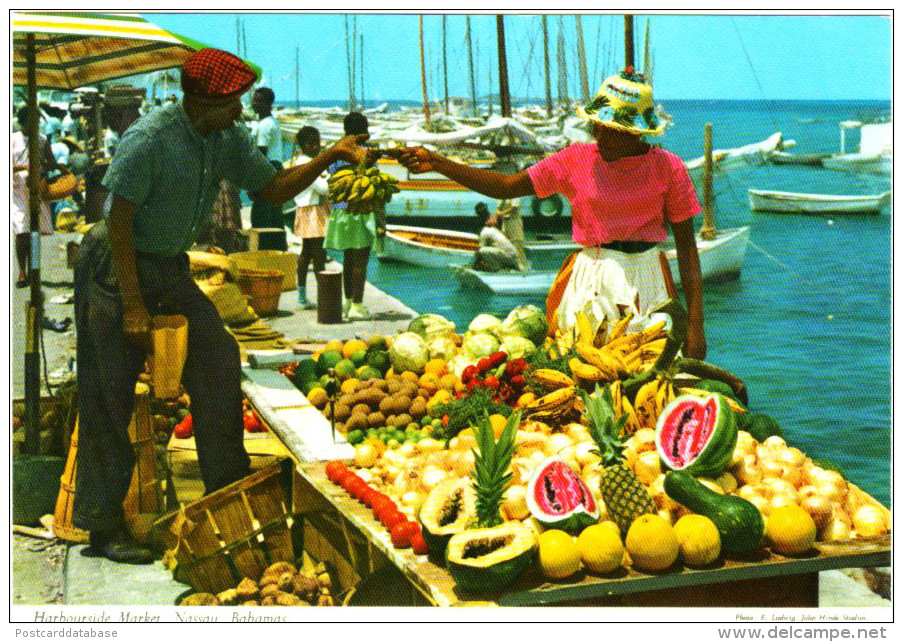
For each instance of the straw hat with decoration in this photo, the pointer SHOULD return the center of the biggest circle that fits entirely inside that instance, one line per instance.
(624, 102)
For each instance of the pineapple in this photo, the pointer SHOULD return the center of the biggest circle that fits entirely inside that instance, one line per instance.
(491, 475)
(624, 494)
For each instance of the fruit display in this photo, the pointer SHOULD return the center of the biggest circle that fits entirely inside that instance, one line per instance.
(650, 462)
(281, 584)
(363, 189)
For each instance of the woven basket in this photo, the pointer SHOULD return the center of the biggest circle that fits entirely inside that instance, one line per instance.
(262, 287)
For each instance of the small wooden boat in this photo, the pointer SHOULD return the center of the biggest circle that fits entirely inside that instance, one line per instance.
(720, 260)
(794, 203)
(786, 158)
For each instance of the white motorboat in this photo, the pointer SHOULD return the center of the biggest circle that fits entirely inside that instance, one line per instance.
(795, 203)
(875, 155)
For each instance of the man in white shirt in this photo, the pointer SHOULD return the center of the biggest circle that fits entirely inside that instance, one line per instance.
(495, 252)
(269, 139)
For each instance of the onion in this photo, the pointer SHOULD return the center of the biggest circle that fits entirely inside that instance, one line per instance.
(578, 433)
(836, 531)
(660, 497)
(665, 514)
(775, 443)
(727, 482)
(406, 450)
(793, 457)
(780, 500)
(781, 487)
(746, 492)
(819, 509)
(747, 471)
(771, 469)
(431, 477)
(761, 503)
(514, 504)
(830, 491)
(644, 438)
(557, 442)
(584, 452)
(711, 484)
(792, 475)
(832, 477)
(647, 467)
(869, 521)
(365, 456)
(805, 492)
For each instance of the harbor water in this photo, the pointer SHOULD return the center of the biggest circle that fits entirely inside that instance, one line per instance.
(808, 324)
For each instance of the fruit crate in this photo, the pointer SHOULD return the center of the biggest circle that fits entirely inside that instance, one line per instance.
(762, 579)
(233, 533)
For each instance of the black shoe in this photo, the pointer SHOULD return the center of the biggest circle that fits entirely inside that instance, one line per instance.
(118, 547)
(56, 326)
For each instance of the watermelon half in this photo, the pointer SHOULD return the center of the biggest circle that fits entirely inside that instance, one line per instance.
(697, 435)
(558, 498)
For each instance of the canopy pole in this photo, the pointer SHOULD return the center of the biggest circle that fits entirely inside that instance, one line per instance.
(426, 103)
(628, 41)
(545, 49)
(504, 96)
(34, 307)
(708, 231)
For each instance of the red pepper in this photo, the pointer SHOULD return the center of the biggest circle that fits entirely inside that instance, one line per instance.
(252, 422)
(444, 420)
(492, 382)
(497, 358)
(483, 365)
(474, 383)
(517, 382)
(184, 429)
(468, 374)
(516, 367)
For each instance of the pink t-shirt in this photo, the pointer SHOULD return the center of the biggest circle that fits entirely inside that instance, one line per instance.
(625, 200)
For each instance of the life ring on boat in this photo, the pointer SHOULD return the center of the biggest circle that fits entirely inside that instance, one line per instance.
(550, 207)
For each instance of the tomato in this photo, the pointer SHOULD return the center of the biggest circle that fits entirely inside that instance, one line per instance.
(383, 508)
(419, 544)
(516, 367)
(335, 470)
(468, 374)
(369, 496)
(497, 358)
(252, 422)
(184, 429)
(390, 519)
(483, 365)
(517, 382)
(401, 536)
(380, 500)
(491, 382)
(473, 383)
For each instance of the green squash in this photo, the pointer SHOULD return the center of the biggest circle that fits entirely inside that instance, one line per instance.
(739, 522)
(762, 426)
(487, 560)
(449, 508)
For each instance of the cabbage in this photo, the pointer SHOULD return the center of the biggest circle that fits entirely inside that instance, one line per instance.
(480, 345)
(431, 326)
(408, 352)
(526, 321)
(442, 348)
(484, 324)
(517, 347)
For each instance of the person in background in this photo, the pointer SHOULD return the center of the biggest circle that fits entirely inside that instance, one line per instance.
(52, 123)
(69, 124)
(133, 265)
(352, 234)
(79, 161)
(269, 142)
(311, 214)
(624, 194)
(21, 214)
(495, 251)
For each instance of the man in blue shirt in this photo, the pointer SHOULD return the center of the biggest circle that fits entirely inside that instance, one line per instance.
(133, 265)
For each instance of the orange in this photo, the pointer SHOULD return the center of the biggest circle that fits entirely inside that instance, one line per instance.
(407, 375)
(448, 381)
(353, 346)
(437, 367)
(429, 382)
(790, 529)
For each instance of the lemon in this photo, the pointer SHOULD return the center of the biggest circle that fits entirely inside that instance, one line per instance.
(651, 543)
(353, 346)
(318, 397)
(438, 367)
(600, 546)
(558, 555)
(349, 385)
(698, 539)
(333, 345)
(790, 529)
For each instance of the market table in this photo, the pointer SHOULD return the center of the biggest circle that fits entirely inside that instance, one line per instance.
(338, 529)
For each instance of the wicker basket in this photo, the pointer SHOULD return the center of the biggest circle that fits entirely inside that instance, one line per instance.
(234, 533)
(262, 287)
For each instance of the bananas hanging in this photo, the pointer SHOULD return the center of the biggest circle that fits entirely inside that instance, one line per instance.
(363, 189)
(620, 356)
(648, 404)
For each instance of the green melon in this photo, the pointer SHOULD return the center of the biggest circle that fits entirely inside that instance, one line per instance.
(697, 435)
(713, 385)
(486, 560)
(305, 373)
(365, 373)
(359, 358)
(344, 369)
(380, 360)
(328, 359)
(377, 343)
(762, 426)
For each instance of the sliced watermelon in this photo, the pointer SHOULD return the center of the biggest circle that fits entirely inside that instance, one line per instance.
(697, 435)
(558, 498)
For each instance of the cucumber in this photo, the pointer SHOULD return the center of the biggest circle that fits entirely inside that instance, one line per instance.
(738, 521)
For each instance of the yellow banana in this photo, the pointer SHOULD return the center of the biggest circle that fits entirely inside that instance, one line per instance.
(364, 182)
(671, 394)
(586, 371)
(584, 329)
(630, 342)
(602, 360)
(552, 379)
(633, 423)
(368, 193)
(373, 171)
(620, 327)
(555, 399)
(644, 404)
(649, 350)
(342, 173)
(661, 396)
(617, 393)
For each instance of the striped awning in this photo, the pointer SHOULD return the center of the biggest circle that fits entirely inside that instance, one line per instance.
(79, 49)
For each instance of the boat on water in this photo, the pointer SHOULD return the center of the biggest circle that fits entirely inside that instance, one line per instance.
(786, 158)
(720, 260)
(752, 154)
(796, 203)
(875, 155)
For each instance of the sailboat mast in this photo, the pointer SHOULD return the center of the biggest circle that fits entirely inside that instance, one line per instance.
(504, 97)
(444, 64)
(545, 49)
(581, 57)
(647, 54)
(562, 66)
(426, 104)
(707, 231)
(628, 41)
(298, 77)
(361, 56)
(348, 66)
(473, 86)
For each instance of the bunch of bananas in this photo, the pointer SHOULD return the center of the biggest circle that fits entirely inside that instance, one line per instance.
(555, 408)
(363, 189)
(616, 356)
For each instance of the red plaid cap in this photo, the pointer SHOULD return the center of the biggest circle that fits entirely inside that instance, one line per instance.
(213, 74)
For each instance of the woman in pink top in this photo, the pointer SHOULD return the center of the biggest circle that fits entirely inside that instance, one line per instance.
(624, 194)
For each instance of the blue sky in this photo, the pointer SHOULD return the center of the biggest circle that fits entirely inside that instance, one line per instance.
(702, 56)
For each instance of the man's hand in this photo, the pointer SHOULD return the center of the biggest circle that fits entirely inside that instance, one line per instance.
(136, 324)
(349, 149)
(417, 159)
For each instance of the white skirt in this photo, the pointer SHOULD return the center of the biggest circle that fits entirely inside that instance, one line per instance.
(604, 282)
